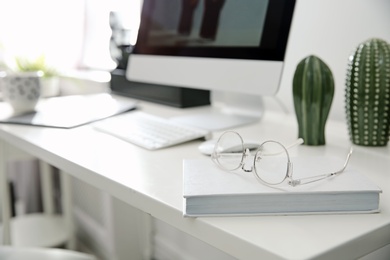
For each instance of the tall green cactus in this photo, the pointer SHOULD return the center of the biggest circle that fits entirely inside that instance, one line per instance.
(368, 93)
(313, 90)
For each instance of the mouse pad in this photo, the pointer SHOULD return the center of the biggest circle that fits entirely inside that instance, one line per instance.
(69, 111)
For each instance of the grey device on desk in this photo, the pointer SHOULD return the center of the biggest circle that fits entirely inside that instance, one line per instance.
(71, 111)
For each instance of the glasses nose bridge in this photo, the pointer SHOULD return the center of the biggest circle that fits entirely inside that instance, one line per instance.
(246, 154)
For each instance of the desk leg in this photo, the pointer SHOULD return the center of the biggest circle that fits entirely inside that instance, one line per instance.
(5, 194)
(67, 208)
(46, 173)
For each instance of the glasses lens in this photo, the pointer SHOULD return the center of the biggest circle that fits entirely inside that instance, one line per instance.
(229, 151)
(271, 162)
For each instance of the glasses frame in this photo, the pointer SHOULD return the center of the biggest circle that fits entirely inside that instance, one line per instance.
(289, 170)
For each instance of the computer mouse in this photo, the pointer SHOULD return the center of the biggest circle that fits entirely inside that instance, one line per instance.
(207, 147)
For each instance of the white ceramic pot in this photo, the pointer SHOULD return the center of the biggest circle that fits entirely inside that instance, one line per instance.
(22, 90)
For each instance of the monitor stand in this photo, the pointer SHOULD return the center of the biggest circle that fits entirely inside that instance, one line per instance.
(228, 110)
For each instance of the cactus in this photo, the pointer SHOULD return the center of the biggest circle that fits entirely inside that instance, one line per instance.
(313, 90)
(367, 93)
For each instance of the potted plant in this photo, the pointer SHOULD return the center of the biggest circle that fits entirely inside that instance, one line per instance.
(367, 95)
(313, 91)
(49, 80)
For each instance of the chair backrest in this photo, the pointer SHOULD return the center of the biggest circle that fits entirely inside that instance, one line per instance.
(23, 253)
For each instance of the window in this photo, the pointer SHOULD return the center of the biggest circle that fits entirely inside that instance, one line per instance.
(71, 34)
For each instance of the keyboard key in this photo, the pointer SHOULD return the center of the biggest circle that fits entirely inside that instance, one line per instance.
(148, 131)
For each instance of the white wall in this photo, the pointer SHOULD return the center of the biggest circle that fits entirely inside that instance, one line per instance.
(331, 29)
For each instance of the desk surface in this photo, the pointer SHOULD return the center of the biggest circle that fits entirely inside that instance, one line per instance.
(152, 182)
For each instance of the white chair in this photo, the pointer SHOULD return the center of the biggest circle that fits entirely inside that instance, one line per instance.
(26, 253)
(31, 235)
(45, 229)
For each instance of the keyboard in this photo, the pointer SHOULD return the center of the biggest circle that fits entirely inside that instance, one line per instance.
(148, 131)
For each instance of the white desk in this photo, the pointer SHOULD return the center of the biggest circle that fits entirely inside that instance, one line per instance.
(152, 182)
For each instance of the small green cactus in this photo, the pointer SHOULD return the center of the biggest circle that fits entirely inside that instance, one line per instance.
(313, 90)
(367, 93)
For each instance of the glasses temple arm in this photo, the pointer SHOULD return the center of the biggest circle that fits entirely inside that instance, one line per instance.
(299, 141)
(322, 176)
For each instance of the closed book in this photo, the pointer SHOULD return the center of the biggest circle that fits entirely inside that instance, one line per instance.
(210, 191)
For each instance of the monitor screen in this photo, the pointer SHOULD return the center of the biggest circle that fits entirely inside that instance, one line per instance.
(251, 29)
(228, 46)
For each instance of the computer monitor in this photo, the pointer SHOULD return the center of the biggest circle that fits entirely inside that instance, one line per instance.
(233, 48)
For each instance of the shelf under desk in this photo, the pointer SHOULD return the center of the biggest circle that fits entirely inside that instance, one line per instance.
(152, 182)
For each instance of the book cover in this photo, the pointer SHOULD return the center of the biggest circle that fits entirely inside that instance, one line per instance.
(211, 191)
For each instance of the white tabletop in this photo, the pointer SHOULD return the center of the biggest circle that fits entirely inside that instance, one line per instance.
(152, 182)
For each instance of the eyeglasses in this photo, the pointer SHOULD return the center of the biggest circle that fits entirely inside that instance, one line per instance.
(271, 162)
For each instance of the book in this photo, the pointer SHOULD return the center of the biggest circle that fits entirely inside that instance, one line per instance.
(210, 191)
